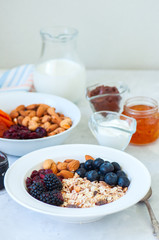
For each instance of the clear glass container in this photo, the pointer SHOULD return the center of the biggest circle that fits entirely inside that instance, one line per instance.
(3, 168)
(59, 70)
(107, 96)
(145, 111)
(112, 129)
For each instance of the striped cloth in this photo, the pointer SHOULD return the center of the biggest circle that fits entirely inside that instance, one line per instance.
(17, 79)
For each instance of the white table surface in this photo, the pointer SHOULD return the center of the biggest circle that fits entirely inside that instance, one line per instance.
(19, 223)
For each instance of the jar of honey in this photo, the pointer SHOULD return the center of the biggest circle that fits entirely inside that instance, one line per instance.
(145, 111)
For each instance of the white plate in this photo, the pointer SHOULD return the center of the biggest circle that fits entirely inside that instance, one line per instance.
(138, 174)
(9, 101)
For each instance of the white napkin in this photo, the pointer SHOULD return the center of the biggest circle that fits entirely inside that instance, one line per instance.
(17, 79)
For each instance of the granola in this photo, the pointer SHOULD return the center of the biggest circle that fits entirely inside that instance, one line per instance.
(80, 192)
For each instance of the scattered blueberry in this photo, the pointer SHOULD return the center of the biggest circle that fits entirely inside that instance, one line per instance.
(88, 165)
(111, 178)
(116, 166)
(92, 175)
(81, 172)
(120, 173)
(106, 167)
(123, 181)
(97, 162)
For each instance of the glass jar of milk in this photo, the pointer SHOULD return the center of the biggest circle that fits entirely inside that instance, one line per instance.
(59, 70)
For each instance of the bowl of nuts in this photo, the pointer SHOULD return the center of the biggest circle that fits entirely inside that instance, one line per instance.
(77, 182)
(31, 121)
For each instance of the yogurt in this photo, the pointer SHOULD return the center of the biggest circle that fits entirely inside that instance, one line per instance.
(115, 133)
(60, 77)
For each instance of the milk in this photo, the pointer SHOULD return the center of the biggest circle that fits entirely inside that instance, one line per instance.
(115, 133)
(60, 77)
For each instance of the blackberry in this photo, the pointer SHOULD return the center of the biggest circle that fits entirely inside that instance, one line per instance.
(52, 182)
(36, 189)
(52, 197)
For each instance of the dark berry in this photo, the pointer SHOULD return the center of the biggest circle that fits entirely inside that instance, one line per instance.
(53, 197)
(92, 175)
(36, 178)
(123, 181)
(120, 173)
(28, 182)
(81, 165)
(88, 165)
(97, 162)
(106, 167)
(34, 173)
(116, 166)
(48, 171)
(52, 182)
(41, 132)
(36, 189)
(101, 178)
(81, 172)
(111, 178)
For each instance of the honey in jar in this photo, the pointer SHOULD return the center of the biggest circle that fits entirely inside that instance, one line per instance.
(145, 111)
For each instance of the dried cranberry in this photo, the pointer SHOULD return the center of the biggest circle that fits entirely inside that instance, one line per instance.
(48, 171)
(28, 182)
(41, 132)
(34, 173)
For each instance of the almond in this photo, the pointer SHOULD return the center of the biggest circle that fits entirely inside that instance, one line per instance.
(73, 165)
(14, 114)
(88, 157)
(32, 106)
(62, 166)
(54, 168)
(20, 107)
(41, 110)
(69, 160)
(47, 163)
(65, 174)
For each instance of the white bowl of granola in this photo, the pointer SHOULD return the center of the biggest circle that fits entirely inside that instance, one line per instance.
(137, 173)
(19, 147)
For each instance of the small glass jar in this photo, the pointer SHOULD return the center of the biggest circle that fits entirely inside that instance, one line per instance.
(112, 129)
(145, 111)
(107, 96)
(3, 168)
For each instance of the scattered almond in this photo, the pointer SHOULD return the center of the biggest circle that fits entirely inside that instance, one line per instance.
(73, 165)
(62, 166)
(88, 157)
(65, 174)
(47, 163)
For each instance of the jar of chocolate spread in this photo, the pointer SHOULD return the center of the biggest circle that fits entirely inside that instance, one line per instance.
(106, 96)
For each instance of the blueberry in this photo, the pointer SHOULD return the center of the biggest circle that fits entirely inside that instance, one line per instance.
(81, 172)
(120, 173)
(92, 175)
(88, 165)
(111, 178)
(116, 166)
(101, 178)
(106, 167)
(97, 162)
(81, 165)
(123, 181)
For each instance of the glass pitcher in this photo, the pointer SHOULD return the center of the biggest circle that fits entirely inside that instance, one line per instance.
(59, 70)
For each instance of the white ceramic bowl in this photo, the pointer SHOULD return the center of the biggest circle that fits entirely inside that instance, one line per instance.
(9, 101)
(139, 176)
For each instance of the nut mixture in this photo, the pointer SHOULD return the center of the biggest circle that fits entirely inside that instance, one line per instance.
(41, 115)
(80, 192)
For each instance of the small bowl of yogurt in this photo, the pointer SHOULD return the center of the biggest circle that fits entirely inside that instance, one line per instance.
(112, 129)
